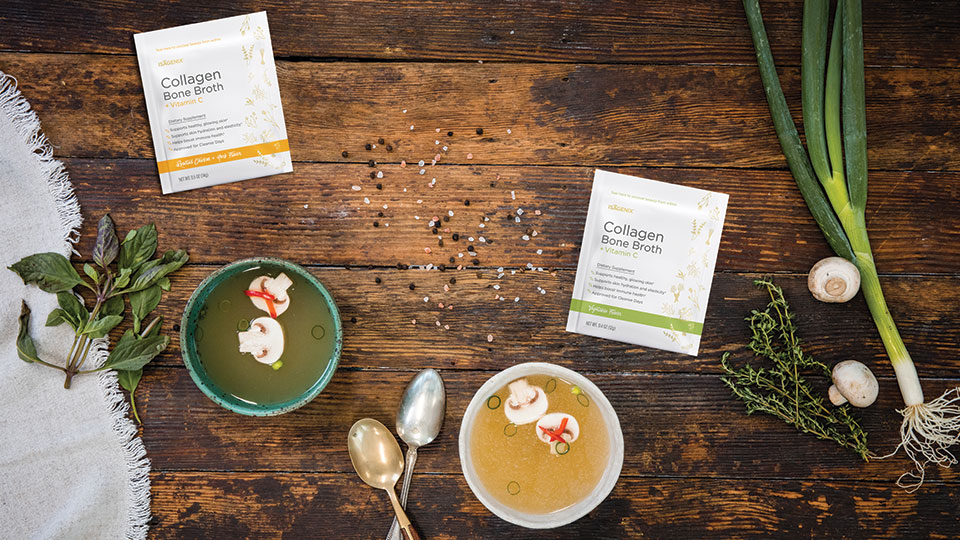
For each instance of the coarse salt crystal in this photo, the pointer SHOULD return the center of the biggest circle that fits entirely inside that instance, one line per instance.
(513, 195)
(438, 130)
(374, 146)
(496, 287)
(482, 226)
(379, 174)
(385, 207)
(537, 212)
(543, 291)
(426, 298)
(436, 142)
(416, 217)
(446, 288)
(469, 156)
(427, 250)
(436, 157)
(519, 211)
(366, 200)
(420, 163)
(306, 206)
(517, 299)
(461, 256)
(534, 233)
(419, 201)
(512, 272)
(411, 127)
(413, 321)
(446, 327)
(449, 307)
(500, 269)
(440, 305)
(444, 148)
(450, 213)
(482, 240)
(356, 188)
(509, 131)
(403, 164)
(530, 266)
(489, 338)
(517, 219)
(470, 238)
(386, 224)
(539, 252)
(422, 171)
(525, 237)
(438, 323)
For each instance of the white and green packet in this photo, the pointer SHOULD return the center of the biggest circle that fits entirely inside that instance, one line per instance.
(646, 262)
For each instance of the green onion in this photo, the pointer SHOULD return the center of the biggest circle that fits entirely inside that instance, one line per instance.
(834, 116)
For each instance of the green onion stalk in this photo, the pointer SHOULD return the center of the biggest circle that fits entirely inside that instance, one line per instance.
(831, 173)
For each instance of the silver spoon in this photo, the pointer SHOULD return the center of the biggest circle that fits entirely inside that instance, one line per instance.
(419, 418)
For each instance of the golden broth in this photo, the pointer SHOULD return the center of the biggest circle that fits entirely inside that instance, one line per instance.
(519, 470)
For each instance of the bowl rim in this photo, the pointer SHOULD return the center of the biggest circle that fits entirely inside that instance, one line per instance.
(578, 510)
(187, 348)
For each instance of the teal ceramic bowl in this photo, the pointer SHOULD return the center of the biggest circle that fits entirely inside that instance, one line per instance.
(188, 348)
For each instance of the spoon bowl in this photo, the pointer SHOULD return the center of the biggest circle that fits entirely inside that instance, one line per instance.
(421, 410)
(375, 454)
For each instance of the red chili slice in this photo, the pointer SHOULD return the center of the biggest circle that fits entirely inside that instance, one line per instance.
(266, 296)
(555, 436)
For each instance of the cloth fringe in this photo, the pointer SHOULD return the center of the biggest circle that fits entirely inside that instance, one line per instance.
(27, 125)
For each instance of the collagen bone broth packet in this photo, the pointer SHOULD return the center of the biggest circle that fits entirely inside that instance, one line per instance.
(213, 102)
(646, 262)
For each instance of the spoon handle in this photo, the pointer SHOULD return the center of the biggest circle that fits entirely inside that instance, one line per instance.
(394, 533)
(405, 527)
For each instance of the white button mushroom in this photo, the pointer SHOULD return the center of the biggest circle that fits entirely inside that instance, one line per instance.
(264, 340)
(276, 287)
(853, 382)
(526, 403)
(834, 279)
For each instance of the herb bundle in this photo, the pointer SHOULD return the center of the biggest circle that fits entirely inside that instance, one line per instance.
(782, 390)
(124, 269)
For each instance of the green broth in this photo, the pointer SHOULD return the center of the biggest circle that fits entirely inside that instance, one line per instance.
(309, 339)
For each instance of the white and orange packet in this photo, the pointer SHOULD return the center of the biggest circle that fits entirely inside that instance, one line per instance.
(213, 102)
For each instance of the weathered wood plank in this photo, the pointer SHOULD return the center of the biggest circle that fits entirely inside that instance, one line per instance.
(895, 33)
(673, 425)
(682, 116)
(533, 329)
(313, 216)
(274, 506)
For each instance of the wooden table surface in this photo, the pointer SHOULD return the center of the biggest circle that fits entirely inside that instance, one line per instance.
(665, 90)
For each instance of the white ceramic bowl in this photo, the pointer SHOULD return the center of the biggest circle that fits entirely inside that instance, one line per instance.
(568, 515)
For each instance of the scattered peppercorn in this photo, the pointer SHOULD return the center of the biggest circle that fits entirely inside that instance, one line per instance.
(345, 154)
(476, 262)
(373, 175)
(440, 242)
(380, 140)
(379, 214)
(378, 280)
(353, 320)
(368, 146)
(453, 281)
(379, 186)
(442, 267)
(413, 286)
(376, 223)
(466, 202)
(456, 237)
(452, 260)
(389, 148)
(434, 230)
(479, 131)
(371, 163)
(449, 134)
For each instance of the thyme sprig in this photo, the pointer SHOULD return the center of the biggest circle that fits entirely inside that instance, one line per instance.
(782, 390)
